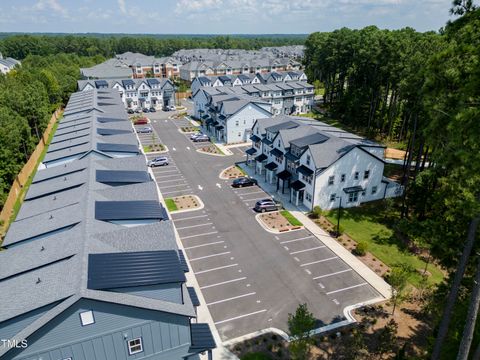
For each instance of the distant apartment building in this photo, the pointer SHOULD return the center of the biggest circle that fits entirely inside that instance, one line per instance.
(90, 268)
(133, 65)
(240, 65)
(8, 64)
(136, 93)
(318, 164)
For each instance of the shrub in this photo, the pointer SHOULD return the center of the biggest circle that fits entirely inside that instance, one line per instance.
(361, 249)
(316, 213)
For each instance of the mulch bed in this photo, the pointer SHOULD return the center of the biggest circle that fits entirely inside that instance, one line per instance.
(211, 149)
(276, 222)
(186, 202)
(232, 172)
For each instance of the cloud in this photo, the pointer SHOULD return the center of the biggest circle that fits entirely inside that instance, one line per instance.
(123, 7)
(53, 5)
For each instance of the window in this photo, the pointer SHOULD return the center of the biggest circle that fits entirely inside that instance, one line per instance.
(308, 197)
(356, 175)
(366, 174)
(135, 346)
(87, 318)
(278, 143)
(353, 197)
(239, 134)
(364, 193)
(308, 159)
(236, 123)
(331, 179)
(342, 178)
(333, 197)
(374, 190)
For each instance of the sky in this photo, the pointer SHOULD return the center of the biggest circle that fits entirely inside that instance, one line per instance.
(218, 16)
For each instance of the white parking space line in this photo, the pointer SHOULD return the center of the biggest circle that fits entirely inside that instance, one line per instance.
(192, 226)
(172, 186)
(166, 181)
(197, 235)
(176, 191)
(254, 199)
(222, 283)
(165, 171)
(305, 250)
(191, 217)
(215, 269)
(320, 261)
(166, 176)
(209, 256)
(331, 274)
(347, 288)
(240, 317)
(230, 299)
(299, 239)
(251, 193)
(202, 245)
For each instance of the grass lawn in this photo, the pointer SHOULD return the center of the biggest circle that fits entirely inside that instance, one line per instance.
(256, 356)
(368, 224)
(291, 219)
(171, 206)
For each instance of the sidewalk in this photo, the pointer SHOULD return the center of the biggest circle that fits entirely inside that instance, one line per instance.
(300, 213)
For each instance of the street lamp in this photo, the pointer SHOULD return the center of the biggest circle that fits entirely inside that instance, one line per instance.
(338, 215)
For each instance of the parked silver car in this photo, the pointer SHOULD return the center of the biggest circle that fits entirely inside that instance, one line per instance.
(159, 161)
(145, 130)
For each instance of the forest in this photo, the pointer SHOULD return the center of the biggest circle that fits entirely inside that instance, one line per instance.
(20, 46)
(420, 92)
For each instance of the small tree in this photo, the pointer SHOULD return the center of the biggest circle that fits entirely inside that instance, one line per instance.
(300, 326)
(361, 249)
(398, 281)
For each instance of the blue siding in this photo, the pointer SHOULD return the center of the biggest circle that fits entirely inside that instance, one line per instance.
(13, 326)
(164, 336)
(166, 292)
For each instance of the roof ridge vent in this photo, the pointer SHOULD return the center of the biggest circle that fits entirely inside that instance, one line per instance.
(38, 281)
(51, 217)
(42, 248)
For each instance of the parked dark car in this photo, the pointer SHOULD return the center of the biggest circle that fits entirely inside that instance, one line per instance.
(244, 181)
(130, 111)
(152, 109)
(138, 110)
(159, 161)
(141, 121)
(267, 205)
(166, 108)
(144, 130)
(145, 110)
(201, 138)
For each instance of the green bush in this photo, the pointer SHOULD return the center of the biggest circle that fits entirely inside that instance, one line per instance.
(316, 212)
(361, 249)
(256, 356)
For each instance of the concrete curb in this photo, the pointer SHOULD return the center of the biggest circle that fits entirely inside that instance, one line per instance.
(227, 178)
(206, 153)
(266, 228)
(202, 205)
(157, 152)
(253, 335)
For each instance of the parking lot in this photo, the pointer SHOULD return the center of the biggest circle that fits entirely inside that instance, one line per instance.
(250, 279)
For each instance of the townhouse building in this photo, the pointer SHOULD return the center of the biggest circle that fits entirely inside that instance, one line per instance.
(91, 268)
(230, 117)
(292, 97)
(8, 64)
(246, 79)
(237, 66)
(136, 93)
(133, 65)
(317, 164)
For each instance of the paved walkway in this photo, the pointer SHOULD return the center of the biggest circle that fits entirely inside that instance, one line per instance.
(300, 213)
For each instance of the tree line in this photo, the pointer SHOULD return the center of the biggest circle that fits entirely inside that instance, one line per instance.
(422, 90)
(20, 46)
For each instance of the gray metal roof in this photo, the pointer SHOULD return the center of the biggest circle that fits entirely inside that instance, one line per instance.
(122, 176)
(193, 296)
(315, 138)
(106, 147)
(183, 261)
(126, 269)
(48, 245)
(129, 210)
(202, 338)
